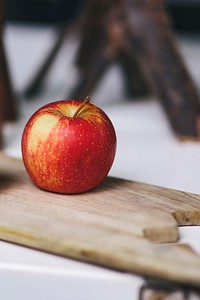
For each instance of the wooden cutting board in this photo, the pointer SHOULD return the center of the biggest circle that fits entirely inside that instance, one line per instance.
(121, 224)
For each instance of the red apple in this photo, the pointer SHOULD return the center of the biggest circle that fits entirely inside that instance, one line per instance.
(68, 146)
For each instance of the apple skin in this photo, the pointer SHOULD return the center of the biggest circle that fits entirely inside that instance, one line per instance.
(67, 154)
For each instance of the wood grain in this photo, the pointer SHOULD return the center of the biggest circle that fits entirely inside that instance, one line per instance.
(121, 224)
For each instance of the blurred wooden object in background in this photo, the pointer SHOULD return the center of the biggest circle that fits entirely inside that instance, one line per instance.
(7, 105)
(138, 35)
(141, 32)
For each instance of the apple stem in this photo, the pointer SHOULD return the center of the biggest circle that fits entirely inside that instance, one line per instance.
(86, 101)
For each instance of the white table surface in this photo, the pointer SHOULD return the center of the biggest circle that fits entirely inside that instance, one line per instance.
(147, 151)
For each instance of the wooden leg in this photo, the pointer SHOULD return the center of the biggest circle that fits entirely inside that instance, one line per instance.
(153, 41)
(102, 44)
(7, 107)
(89, 77)
(91, 68)
(36, 84)
(135, 81)
(1, 105)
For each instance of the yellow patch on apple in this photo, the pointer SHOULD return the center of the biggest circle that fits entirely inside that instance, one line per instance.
(40, 130)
